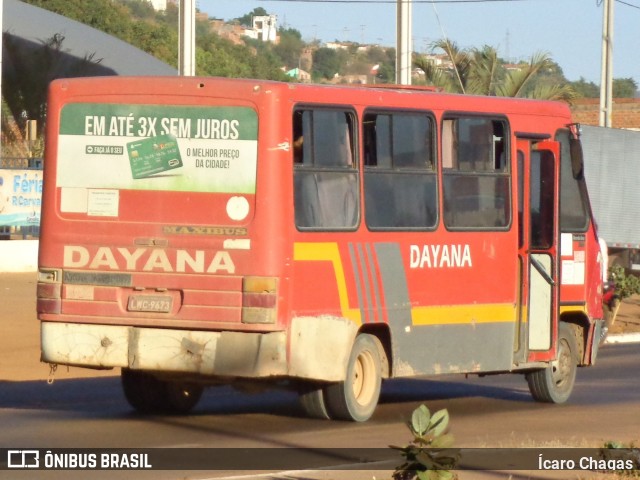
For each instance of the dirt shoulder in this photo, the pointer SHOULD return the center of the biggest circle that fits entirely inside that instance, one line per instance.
(628, 318)
(20, 334)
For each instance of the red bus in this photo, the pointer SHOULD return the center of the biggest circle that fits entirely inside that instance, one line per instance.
(198, 231)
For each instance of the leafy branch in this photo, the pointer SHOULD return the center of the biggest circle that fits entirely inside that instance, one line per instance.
(429, 455)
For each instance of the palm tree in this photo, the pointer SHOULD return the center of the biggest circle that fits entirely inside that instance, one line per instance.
(481, 72)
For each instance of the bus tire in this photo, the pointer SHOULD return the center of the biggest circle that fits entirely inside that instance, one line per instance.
(148, 394)
(554, 384)
(312, 400)
(356, 398)
(181, 397)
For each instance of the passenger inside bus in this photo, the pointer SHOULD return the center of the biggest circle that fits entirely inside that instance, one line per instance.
(325, 184)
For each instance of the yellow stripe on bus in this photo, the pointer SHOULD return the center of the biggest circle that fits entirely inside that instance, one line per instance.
(328, 252)
(450, 314)
(573, 309)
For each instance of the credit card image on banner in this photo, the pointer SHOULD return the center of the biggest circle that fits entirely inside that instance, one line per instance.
(151, 156)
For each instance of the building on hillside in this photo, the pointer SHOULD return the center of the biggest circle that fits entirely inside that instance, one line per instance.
(338, 45)
(158, 5)
(350, 79)
(513, 67)
(299, 74)
(265, 29)
(161, 5)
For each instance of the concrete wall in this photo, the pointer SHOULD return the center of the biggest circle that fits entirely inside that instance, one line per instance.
(18, 255)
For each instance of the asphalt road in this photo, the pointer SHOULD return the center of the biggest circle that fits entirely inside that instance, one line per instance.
(485, 412)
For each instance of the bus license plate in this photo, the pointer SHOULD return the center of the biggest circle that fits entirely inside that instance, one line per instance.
(150, 303)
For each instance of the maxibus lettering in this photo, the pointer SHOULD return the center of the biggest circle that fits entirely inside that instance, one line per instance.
(440, 256)
(148, 260)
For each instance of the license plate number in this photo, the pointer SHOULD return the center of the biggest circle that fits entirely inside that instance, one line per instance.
(150, 303)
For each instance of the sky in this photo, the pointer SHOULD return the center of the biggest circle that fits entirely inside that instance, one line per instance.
(569, 30)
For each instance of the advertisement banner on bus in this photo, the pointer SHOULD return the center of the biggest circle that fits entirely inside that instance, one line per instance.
(151, 147)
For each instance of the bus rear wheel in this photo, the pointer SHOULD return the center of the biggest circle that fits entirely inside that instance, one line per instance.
(554, 384)
(148, 394)
(312, 401)
(356, 398)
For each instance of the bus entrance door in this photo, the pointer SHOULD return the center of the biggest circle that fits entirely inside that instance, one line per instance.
(538, 224)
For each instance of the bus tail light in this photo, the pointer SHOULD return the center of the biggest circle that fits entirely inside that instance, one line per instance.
(259, 299)
(49, 291)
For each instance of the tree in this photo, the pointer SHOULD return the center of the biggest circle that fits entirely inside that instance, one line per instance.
(247, 20)
(481, 72)
(624, 88)
(586, 89)
(290, 47)
(326, 63)
(453, 79)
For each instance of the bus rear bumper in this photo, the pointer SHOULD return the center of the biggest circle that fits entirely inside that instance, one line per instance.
(220, 354)
(319, 349)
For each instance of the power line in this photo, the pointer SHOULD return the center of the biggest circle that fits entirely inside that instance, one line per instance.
(598, 2)
(394, 1)
(628, 4)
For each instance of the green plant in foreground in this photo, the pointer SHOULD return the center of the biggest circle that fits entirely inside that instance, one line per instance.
(429, 455)
(626, 285)
(628, 453)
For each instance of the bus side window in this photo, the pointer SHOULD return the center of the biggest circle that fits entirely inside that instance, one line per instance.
(476, 173)
(325, 174)
(399, 177)
(542, 199)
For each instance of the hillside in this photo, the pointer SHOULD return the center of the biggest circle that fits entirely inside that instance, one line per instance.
(135, 22)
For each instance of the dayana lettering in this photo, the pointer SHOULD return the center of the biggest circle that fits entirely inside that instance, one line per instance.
(440, 256)
(148, 260)
(130, 126)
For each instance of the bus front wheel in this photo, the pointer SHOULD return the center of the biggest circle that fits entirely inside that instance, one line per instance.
(356, 398)
(149, 394)
(554, 384)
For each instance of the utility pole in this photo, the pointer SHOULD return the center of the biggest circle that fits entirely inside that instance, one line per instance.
(606, 75)
(1, 30)
(403, 42)
(187, 47)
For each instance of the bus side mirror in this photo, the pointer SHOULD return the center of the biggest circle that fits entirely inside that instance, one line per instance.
(577, 159)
